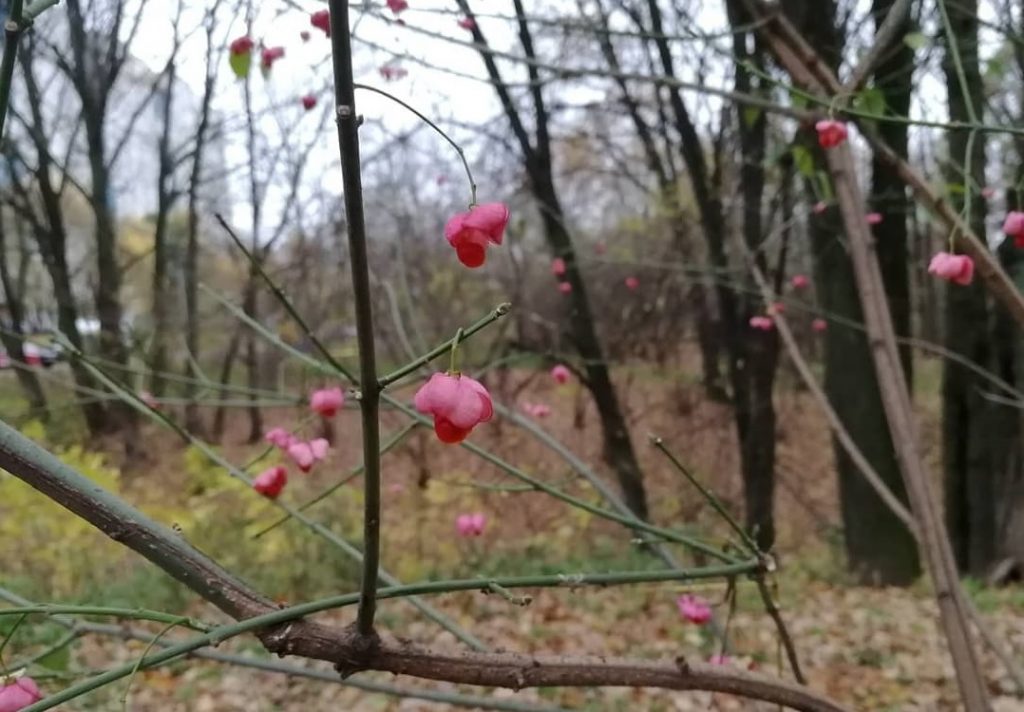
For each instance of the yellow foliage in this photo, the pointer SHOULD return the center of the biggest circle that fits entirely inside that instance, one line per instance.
(45, 536)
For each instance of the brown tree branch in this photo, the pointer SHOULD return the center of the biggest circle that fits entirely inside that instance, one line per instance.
(888, 33)
(343, 647)
(807, 69)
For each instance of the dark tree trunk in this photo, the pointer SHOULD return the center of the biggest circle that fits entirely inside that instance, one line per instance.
(879, 549)
(754, 381)
(668, 186)
(252, 364)
(51, 237)
(28, 380)
(979, 436)
(193, 421)
(618, 446)
(227, 365)
(96, 60)
(166, 197)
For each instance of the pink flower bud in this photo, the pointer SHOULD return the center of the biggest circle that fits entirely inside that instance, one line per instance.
(764, 323)
(694, 608)
(309, 102)
(819, 207)
(632, 283)
(305, 454)
(397, 6)
(958, 269)
(831, 133)
(873, 218)
(819, 325)
(279, 437)
(470, 232)
(467, 23)
(271, 481)
(800, 281)
(1014, 227)
(470, 525)
(321, 19)
(241, 45)
(564, 287)
(561, 374)
(18, 693)
(269, 55)
(537, 410)
(558, 266)
(327, 401)
(458, 404)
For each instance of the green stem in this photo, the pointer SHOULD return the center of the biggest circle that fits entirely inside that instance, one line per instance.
(453, 358)
(141, 614)
(715, 503)
(226, 632)
(149, 646)
(437, 129)
(495, 314)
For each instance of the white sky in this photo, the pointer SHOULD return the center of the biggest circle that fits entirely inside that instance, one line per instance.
(438, 94)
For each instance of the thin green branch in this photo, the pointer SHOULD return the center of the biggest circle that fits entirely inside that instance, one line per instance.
(495, 314)
(284, 301)
(140, 614)
(707, 494)
(222, 633)
(436, 128)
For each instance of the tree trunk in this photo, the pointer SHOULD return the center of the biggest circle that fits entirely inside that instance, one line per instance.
(618, 447)
(975, 444)
(252, 363)
(166, 197)
(754, 381)
(51, 237)
(27, 379)
(230, 354)
(879, 549)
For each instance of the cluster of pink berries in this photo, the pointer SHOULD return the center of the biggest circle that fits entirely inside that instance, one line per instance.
(326, 402)
(766, 322)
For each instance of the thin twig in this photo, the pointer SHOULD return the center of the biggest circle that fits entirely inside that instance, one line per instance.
(442, 348)
(780, 626)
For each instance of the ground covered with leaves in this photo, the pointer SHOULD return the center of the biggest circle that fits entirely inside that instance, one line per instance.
(873, 649)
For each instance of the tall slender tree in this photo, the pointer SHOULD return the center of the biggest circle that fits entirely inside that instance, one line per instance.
(538, 162)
